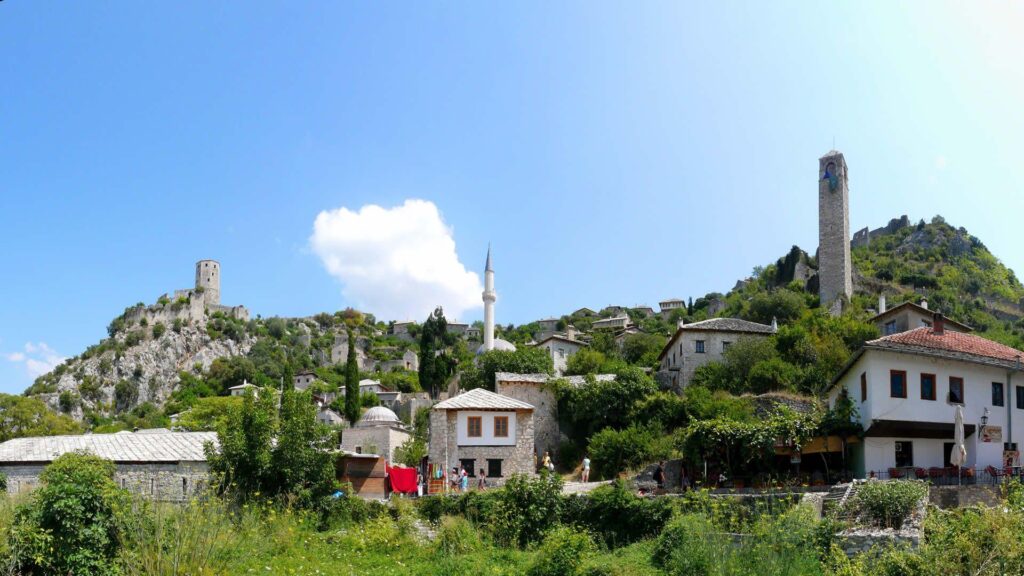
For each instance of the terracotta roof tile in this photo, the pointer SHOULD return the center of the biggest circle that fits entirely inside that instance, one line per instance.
(950, 342)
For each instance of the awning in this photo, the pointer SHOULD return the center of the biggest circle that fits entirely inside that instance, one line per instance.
(911, 429)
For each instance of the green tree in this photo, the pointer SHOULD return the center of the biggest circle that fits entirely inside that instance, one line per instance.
(209, 413)
(71, 525)
(584, 361)
(352, 407)
(435, 364)
(302, 460)
(642, 349)
(21, 416)
(599, 404)
(243, 461)
(525, 360)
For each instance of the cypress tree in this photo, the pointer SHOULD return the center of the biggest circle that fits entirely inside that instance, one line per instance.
(351, 382)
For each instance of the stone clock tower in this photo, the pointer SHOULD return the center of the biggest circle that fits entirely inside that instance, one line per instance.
(834, 265)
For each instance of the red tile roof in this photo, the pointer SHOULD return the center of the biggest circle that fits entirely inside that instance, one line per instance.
(957, 343)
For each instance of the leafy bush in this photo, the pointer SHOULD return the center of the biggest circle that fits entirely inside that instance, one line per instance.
(526, 508)
(616, 515)
(614, 451)
(158, 330)
(683, 548)
(889, 504)
(563, 553)
(457, 536)
(74, 521)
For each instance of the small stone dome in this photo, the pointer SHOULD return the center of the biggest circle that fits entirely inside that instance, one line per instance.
(379, 416)
(499, 344)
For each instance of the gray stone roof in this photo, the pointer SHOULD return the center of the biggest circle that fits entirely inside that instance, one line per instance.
(729, 325)
(481, 399)
(124, 447)
(541, 378)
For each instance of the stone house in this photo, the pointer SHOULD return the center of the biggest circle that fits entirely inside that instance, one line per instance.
(303, 380)
(379, 431)
(908, 316)
(409, 360)
(667, 306)
(694, 345)
(613, 323)
(482, 429)
(906, 388)
(534, 389)
(243, 388)
(158, 464)
(560, 349)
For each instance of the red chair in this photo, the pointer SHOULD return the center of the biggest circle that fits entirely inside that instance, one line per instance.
(921, 473)
(896, 473)
(994, 473)
(937, 473)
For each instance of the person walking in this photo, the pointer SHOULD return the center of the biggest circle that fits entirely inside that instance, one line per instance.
(585, 475)
(463, 480)
(547, 463)
(481, 481)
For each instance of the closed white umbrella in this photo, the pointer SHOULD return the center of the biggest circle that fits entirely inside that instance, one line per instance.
(959, 455)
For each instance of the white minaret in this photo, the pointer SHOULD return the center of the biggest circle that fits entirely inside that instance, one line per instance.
(489, 297)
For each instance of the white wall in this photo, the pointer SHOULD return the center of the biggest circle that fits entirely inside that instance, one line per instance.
(879, 453)
(560, 350)
(487, 429)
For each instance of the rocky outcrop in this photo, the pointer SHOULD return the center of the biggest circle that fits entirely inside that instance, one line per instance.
(148, 371)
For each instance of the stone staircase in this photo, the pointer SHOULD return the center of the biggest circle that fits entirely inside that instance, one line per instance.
(836, 498)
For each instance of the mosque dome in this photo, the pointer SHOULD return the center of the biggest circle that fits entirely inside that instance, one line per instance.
(378, 416)
(499, 344)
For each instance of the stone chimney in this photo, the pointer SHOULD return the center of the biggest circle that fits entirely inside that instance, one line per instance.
(938, 324)
(881, 303)
(924, 303)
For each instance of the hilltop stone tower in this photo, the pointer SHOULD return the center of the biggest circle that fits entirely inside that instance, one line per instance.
(835, 273)
(208, 278)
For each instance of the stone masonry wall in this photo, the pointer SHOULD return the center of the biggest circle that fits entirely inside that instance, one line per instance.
(166, 482)
(545, 413)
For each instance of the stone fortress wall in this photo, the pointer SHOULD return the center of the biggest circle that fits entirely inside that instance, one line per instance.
(189, 304)
(863, 236)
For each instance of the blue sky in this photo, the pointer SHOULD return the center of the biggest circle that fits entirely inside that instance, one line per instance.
(611, 152)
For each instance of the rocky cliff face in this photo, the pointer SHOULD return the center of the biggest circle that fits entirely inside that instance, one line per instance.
(130, 373)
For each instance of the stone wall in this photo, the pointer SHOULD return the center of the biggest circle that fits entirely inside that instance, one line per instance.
(518, 459)
(373, 439)
(173, 482)
(547, 435)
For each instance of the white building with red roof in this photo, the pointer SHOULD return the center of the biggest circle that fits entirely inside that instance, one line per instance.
(906, 388)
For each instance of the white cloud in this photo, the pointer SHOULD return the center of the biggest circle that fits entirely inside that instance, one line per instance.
(397, 263)
(38, 358)
(940, 162)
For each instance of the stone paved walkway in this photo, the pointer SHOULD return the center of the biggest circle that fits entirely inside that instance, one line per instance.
(582, 488)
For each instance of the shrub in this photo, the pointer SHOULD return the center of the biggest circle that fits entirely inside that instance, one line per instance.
(563, 553)
(73, 523)
(526, 509)
(3, 482)
(889, 504)
(617, 515)
(613, 451)
(158, 330)
(67, 400)
(684, 548)
(456, 536)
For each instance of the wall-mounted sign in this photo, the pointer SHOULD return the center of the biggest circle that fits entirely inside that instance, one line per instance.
(991, 433)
